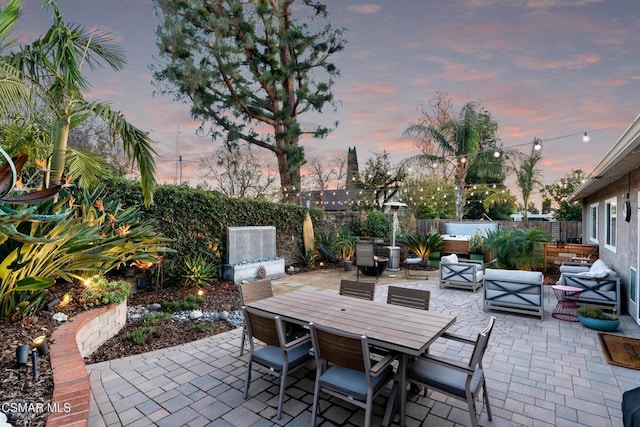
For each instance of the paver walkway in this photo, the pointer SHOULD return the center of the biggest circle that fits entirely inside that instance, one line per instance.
(539, 373)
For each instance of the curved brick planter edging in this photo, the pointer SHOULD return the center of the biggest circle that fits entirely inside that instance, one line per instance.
(72, 341)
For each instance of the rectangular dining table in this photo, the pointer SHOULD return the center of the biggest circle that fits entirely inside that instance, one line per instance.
(407, 331)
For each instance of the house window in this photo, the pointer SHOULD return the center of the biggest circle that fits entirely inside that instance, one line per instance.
(611, 227)
(593, 223)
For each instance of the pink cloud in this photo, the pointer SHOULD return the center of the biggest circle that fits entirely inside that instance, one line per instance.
(545, 63)
(365, 9)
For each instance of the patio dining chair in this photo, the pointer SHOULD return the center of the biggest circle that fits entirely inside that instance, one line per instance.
(362, 290)
(365, 257)
(279, 355)
(409, 297)
(460, 380)
(250, 292)
(344, 369)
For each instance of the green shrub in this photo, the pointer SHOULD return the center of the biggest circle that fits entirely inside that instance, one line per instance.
(99, 291)
(594, 312)
(202, 327)
(517, 248)
(195, 218)
(199, 272)
(139, 335)
(156, 318)
(423, 244)
(191, 302)
(377, 225)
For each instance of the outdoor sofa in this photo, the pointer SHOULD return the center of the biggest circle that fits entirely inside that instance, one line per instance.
(514, 291)
(600, 284)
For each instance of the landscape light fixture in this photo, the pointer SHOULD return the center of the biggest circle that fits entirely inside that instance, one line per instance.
(40, 344)
(537, 144)
(585, 137)
(463, 159)
(22, 355)
(496, 154)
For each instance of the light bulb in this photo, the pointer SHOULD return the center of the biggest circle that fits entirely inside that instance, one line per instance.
(463, 160)
(585, 137)
(496, 154)
(537, 144)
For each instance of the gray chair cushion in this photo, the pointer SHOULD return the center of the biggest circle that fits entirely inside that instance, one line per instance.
(442, 377)
(272, 356)
(351, 382)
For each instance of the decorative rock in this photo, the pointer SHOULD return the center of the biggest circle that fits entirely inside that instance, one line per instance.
(195, 314)
(224, 315)
(291, 269)
(155, 307)
(3, 418)
(60, 317)
(244, 282)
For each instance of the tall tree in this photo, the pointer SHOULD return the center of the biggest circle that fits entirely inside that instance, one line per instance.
(249, 70)
(53, 65)
(380, 180)
(321, 176)
(237, 172)
(560, 190)
(454, 139)
(527, 176)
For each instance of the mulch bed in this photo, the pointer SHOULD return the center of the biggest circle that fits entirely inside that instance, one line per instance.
(17, 384)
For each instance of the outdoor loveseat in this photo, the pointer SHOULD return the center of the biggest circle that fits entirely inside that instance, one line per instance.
(514, 291)
(460, 274)
(600, 284)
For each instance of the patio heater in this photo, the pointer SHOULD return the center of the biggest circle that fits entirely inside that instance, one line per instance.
(394, 251)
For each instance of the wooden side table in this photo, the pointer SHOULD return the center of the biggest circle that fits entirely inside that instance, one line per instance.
(567, 306)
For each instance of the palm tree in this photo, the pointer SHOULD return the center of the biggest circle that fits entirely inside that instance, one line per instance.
(53, 64)
(456, 141)
(527, 176)
(12, 90)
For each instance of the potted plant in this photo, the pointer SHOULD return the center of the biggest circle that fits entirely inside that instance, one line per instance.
(345, 246)
(477, 246)
(594, 318)
(422, 245)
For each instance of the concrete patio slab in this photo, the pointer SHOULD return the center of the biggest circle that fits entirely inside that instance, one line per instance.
(539, 373)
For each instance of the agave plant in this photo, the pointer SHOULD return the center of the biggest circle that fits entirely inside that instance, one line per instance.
(422, 244)
(199, 272)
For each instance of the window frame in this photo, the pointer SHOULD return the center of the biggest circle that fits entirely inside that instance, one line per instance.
(594, 212)
(611, 224)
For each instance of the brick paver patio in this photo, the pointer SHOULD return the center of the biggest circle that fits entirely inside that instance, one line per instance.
(539, 373)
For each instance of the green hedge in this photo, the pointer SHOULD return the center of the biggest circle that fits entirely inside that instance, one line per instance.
(197, 219)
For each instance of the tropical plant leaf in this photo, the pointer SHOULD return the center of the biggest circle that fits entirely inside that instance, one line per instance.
(34, 283)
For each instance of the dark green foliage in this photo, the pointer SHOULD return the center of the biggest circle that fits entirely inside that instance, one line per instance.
(594, 312)
(249, 66)
(202, 327)
(378, 225)
(198, 272)
(196, 220)
(423, 245)
(517, 248)
(99, 291)
(191, 302)
(139, 335)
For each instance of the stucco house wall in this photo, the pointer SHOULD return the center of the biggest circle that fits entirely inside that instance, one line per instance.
(625, 254)
(615, 177)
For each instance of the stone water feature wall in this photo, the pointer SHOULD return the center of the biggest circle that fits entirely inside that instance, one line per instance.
(248, 248)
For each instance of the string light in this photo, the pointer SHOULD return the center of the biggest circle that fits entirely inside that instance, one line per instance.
(585, 137)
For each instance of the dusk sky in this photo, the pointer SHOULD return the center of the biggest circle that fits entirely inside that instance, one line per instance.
(543, 68)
